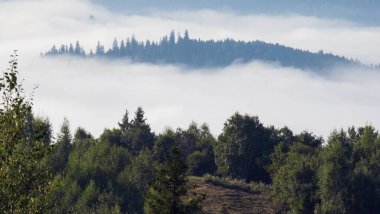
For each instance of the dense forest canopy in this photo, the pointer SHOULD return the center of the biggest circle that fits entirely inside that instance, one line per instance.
(196, 53)
(131, 169)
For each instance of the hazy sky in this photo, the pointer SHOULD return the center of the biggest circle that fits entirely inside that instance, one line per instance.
(95, 94)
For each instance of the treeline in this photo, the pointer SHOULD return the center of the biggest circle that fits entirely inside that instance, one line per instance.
(131, 169)
(116, 172)
(199, 53)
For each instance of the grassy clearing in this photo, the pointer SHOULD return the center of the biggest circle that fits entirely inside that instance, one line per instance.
(230, 183)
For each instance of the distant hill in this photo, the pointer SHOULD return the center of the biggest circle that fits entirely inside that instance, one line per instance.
(364, 11)
(207, 54)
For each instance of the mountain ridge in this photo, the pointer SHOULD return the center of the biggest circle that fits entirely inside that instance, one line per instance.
(197, 53)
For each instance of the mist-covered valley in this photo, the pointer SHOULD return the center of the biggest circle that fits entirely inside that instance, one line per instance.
(174, 107)
(81, 89)
(93, 92)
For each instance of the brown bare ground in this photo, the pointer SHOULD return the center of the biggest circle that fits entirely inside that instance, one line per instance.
(223, 200)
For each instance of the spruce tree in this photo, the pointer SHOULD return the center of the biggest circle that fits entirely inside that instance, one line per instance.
(124, 124)
(61, 150)
(165, 194)
(139, 134)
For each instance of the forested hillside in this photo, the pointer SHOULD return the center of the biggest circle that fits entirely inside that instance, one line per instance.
(195, 53)
(131, 169)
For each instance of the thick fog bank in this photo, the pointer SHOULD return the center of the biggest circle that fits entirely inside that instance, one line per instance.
(94, 94)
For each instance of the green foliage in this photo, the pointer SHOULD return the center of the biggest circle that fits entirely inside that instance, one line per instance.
(124, 125)
(81, 135)
(139, 173)
(200, 163)
(285, 139)
(162, 145)
(295, 181)
(131, 170)
(59, 155)
(243, 149)
(348, 178)
(63, 195)
(113, 136)
(334, 174)
(23, 183)
(165, 194)
(367, 170)
(196, 145)
(42, 130)
(136, 134)
(104, 174)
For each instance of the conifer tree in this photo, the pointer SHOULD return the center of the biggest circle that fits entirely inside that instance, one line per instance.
(124, 124)
(186, 37)
(172, 38)
(140, 135)
(165, 194)
(122, 47)
(99, 49)
(115, 48)
(71, 49)
(77, 49)
(61, 151)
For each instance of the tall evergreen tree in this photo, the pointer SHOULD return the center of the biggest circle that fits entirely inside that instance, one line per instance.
(186, 36)
(99, 49)
(124, 124)
(61, 150)
(172, 38)
(78, 49)
(140, 135)
(165, 194)
(115, 48)
(71, 49)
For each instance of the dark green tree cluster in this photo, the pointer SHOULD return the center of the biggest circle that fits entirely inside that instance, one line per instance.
(341, 176)
(243, 148)
(130, 169)
(110, 174)
(166, 194)
(199, 53)
(196, 147)
(118, 172)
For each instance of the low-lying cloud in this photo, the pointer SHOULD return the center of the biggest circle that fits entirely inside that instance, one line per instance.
(94, 94)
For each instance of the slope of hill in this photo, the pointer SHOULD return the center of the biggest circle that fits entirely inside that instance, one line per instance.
(229, 199)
